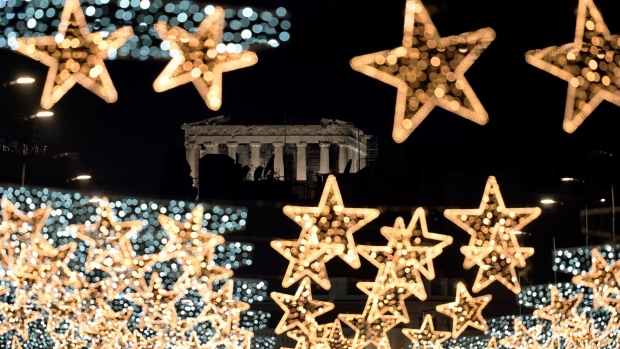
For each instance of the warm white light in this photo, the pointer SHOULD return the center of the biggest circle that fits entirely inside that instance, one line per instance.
(44, 114)
(25, 80)
(94, 200)
(568, 179)
(547, 201)
(603, 200)
(517, 232)
(82, 177)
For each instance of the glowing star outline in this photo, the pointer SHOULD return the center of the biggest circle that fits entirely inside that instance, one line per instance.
(522, 337)
(208, 83)
(301, 299)
(413, 253)
(98, 79)
(68, 339)
(335, 338)
(603, 279)
(559, 309)
(492, 344)
(590, 82)
(153, 299)
(504, 259)
(481, 237)
(426, 334)
(465, 310)
(331, 202)
(306, 258)
(369, 332)
(188, 242)
(579, 332)
(404, 122)
(18, 316)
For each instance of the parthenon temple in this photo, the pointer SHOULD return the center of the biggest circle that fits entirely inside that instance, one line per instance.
(300, 151)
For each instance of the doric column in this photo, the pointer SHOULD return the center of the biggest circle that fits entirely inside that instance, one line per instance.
(232, 149)
(278, 161)
(301, 161)
(212, 148)
(354, 156)
(343, 156)
(255, 157)
(324, 168)
(192, 153)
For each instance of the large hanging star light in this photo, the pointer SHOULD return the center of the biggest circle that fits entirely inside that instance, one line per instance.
(75, 54)
(426, 336)
(428, 71)
(604, 279)
(300, 310)
(479, 223)
(201, 58)
(333, 223)
(584, 64)
(465, 311)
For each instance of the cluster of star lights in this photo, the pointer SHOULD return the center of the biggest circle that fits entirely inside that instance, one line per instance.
(77, 272)
(75, 54)
(327, 232)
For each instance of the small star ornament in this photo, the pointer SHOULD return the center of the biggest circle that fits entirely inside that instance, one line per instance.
(200, 58)
(426, 336)
(428, 71)
(465, 311)
(75, 55)
(559, 309)
(586, 64)
(603, 279)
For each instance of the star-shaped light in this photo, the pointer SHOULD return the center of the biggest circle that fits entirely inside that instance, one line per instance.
(604, 279)
(465, 311)
(497, 261)
(335, 339)
(522, 338)
(579, 332)
(74, 54)
(333, 223)
(190, 242)
(307, 258)
(300, 310)
(428, 71)
(369, 332)
(559, 309)
(492, 212)
(68, 339)
(109, 329)
(34, 267)
(153, 300)
(109, 247)
(201, 58)
(426, 336)
(492, 344)
(19, 315)
(584, 64)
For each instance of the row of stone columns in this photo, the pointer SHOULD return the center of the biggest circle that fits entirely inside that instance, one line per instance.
(346, 152)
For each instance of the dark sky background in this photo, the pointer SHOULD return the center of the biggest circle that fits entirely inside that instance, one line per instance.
(309, 78)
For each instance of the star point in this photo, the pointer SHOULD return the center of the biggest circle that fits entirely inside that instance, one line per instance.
(426, 335)
(465, 311)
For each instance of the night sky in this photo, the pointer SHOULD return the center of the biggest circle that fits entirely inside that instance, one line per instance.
(309, 78)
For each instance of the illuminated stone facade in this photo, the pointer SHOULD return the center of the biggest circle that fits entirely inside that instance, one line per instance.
(254, 145)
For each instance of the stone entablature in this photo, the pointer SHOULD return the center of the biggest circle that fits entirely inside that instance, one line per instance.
(205, 137)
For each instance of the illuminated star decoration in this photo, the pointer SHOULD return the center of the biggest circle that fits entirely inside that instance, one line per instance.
(428, 71)
(110, 248)
(386, 296)
(465, 311)
(333, 223)
(300, 310)
(426, 336)
(74, 55)
(306, 257)
(604, 279)
(201, 58)
(369, 332)
(19, 315)
(579, 332)
(492, 212)
(522, 337)
(559, 309)
(586, 64)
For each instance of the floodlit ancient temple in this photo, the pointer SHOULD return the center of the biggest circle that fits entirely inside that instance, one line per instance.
(300, 151)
